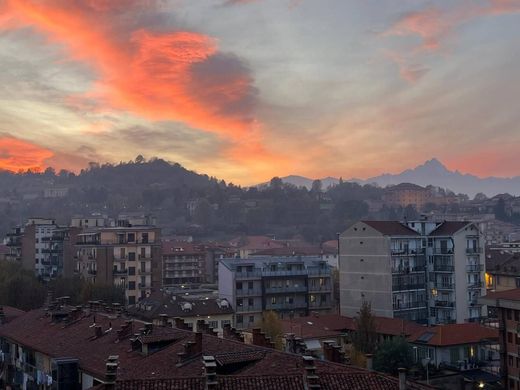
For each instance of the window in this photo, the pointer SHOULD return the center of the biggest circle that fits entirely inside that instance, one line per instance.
(250, 301)
(240, 302)
(509, 314)
(510, 337)
(240, 318)
(143, 266)
(251, 319)
(131, 237)
(131, 300)
(143, 253)
(517, 282)
(273, 300)
(517, 315)
(213, 324)
(226, 322)
(313, 298)
(239, 285)
(131, 285)
(144, 238)
(250, 285)
(131, 256)
(131, 270)
(323, 298)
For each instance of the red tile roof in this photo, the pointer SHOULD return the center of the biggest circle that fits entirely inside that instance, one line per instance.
(255, 243)
(391, 228)
(12, 312)
(162, 370)
(511, 295)
(454, 334)
(181, 248)
(448, 228)
(332, 325)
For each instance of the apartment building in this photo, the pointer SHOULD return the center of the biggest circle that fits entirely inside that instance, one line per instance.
(505, 305)
(289, 286)
(126, 256)
(184, 263)
(405, 194)
(424, 271)
(43, 247)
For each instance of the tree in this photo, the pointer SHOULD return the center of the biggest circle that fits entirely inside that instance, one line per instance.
(500, 210)
(393, 354)
(316, 186)
(272, 327)
(364, 338)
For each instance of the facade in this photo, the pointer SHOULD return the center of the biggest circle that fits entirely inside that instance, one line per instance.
(429, 272)
(183, 263)
(124, 256)
(505, 307)
(502, 269)
(407, 194)
(289, 286)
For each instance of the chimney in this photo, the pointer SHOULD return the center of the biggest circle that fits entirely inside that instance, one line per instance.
(232, 334)
(98, 332)
(179, 323)
(370, 361)
(125, 331)
(164, 319)
(259, 339)
(210, 371)
(332, 352)
(311, 377)
(111, 372)
(191, 348)
(402, 378)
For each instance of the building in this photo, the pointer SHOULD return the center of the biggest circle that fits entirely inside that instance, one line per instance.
(183, 263)
(214, 312)
(424, 271)
(4, 252)
(326, 253)
(91, 221)
(128, 256)
(55, 192)
(457, 346)
(502, 269)
(245, 245)
(76, 349)
(505, 308)
(405, 194)
(289, 286)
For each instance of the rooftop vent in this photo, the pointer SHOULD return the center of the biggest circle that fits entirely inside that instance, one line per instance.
(186, 306)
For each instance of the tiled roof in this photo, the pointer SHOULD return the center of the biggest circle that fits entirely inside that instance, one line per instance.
(512, 295)
(454, 334)
(391, 228)
(405, 186)
(332, 325)
(12, 312)
(448, 228)
(255, 243)
(165, 304)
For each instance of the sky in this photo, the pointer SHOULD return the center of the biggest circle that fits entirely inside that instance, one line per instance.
(245, 90)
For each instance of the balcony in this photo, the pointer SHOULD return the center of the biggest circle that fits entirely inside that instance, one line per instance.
(120, 272)
(443, 268)
(142, 286)
(323, 272)
(475, 284)
(286, 289)
(285, 273)
(408, 286)
(249, 309)
(325, 288)
(474, 302)
(407, 252)
(92, 272)
(409, 270)
(444, 304)
(249, 293)
(286, 306)
(409, 305)
(473, 251)
(444, 286)
(248, 275)
(474, 267)
(443, 251)
(145, 272)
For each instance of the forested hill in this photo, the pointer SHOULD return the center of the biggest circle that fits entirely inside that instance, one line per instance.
(185, 202)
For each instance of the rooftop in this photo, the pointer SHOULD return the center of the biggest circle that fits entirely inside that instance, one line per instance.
(454, 334)
(447, 228)
(391, 228)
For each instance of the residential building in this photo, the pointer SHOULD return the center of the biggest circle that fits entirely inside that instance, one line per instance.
(424, 271)
(405, 194)
(183, 263)
(13, 242)
(457, 346)
(289, 286)
(55, 192)
(90, 221)
(504, 306)
(215, 313)
(245, 245)
(76, 349)
(502, 269)
(128, 256)
(326, 253)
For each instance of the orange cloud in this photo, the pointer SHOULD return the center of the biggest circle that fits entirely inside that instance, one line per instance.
(173, 76)
(16, 155)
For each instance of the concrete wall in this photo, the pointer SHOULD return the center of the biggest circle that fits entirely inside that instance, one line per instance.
(365, 268)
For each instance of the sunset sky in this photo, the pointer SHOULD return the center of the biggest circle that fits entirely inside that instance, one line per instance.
(250, 89)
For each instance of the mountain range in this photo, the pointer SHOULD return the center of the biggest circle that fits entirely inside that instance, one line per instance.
(432, 172)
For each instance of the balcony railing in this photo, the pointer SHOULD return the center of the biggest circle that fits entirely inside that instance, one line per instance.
(472, 251)
(407, 252)
(444, 286)
(408, 270)
(248, 309)
(409, 305)
(286, 306)
(443, 251)
(443, 268)
(408, 286)
(249, 293)
(286, 273)
(474, 267)
(475, 284)
(286, 289)
(325, 288)
(120, 272)
(444, 304)
(248, 275)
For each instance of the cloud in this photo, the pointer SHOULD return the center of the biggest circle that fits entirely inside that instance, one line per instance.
(17, 154)
(158, 73)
